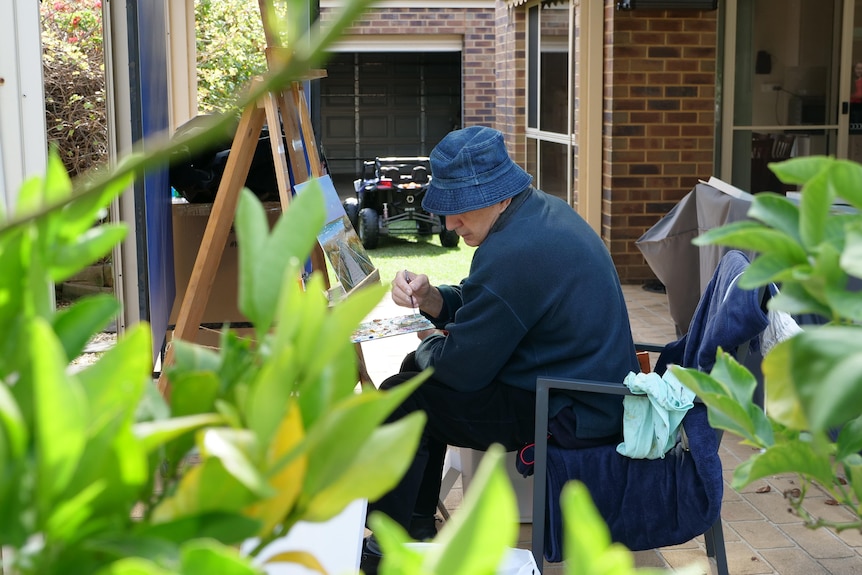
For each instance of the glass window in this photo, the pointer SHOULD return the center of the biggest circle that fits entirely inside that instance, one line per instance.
(549, 117)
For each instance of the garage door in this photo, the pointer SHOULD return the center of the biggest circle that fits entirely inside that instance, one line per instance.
(387, 104)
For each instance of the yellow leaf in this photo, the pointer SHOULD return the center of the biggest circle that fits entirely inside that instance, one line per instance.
(299, 557)
(287, 481)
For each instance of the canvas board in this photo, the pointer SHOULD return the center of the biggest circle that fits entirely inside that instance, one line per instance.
(340, 243)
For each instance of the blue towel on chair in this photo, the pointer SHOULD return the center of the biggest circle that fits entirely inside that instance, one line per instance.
(647, 503)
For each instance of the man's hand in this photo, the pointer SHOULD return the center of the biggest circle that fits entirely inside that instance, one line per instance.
(415, 291)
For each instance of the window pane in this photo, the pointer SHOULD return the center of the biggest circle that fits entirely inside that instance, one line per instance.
(554, 70)
(533, 67)
(552, 168)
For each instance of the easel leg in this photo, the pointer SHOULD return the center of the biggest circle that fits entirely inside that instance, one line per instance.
(215, 236)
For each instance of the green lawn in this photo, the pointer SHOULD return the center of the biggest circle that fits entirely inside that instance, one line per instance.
(421, 255)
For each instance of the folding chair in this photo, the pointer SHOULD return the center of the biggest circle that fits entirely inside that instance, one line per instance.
(652, 503)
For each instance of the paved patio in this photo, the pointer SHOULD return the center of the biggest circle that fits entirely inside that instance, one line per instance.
(762, 537)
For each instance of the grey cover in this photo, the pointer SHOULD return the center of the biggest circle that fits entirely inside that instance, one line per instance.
(683, 268)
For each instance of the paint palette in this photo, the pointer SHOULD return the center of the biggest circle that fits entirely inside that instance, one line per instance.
(389, 326)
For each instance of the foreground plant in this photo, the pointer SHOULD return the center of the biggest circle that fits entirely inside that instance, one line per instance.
(813, 421)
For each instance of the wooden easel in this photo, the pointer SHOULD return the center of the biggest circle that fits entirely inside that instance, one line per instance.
(288, 107)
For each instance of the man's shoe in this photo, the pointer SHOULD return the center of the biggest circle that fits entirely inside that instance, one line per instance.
(423, 527)
(370, 562)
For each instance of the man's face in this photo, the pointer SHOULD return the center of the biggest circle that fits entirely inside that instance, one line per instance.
(473, 226)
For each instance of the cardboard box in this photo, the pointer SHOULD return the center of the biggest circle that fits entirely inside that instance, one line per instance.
(189, 224)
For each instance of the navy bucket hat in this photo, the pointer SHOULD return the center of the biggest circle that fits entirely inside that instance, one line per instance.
(471, 169)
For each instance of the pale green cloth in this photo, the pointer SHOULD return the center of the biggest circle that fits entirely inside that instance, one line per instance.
(651, 419)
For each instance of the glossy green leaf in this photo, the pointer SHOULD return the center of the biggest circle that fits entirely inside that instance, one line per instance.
(134, 566)
(849, 440)
(76, 324)
(766, 269)
(802, 169)
(790, 457)
(36, 191)
(154, 434)
(748, 235)
(373, 470)
(336, 438)
(817, 196)
(728, 391)
(230, 528)
(851, 257)
(777, 212)
(202, 557)
(269, 393)
(90, 246)
(115, 383)
(853, 470)
(61, 414)
(205, 488)
(69, 514)
(830, 354)
(237, 449)
(586, 537)
(847, 179)
(189, 357)
(262, 272)
(475, 538)
(782, 399)
(13, 426)
(794, 299)
(83, 212)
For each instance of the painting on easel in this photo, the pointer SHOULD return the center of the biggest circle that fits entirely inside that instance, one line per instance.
(339, 241)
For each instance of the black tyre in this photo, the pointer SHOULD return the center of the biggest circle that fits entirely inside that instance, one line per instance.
(448, 238)
(351, 208)
(369, 232)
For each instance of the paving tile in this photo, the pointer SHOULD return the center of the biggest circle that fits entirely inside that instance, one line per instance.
(650, 558)
(843, 566)
(773, 505)
(740, 510)
(743, 560)
(819, 543)
(793, 562)
(760, 534)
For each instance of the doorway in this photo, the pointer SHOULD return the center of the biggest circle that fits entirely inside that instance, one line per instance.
(788, 68)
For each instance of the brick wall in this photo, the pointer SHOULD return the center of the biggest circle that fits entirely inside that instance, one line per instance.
(659, 121)
(479, 58)
(511, 66)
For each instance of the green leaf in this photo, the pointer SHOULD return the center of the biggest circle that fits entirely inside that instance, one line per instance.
(90, 246)
(236, 449)
(794, 299)
(262, 271)
(202, 557)
(134, 566)
(782, 399)
(753, 236)
(228, 528)
(794, 456)
(13, 425)
(831, 354)
(61, 414)
(816, 202)
(847, 179)
(727, 392)
(189, 357)
(373, 470)
(154, 434)
(849, 440)
(766, 269)
(76, 324)
(269, 392)
(473, 541)
(586, 537)
(801, 170)
(851, 257)
(206, 487)
(777, 212)
(339, 435)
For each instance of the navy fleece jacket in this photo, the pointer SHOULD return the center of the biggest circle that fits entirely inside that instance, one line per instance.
(542, 298)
